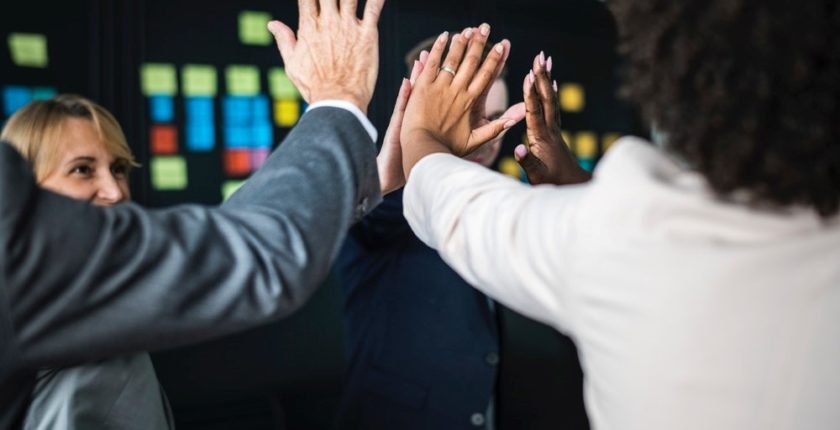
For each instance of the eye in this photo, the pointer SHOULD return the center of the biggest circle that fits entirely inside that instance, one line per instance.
(120, 170)
(82, 170)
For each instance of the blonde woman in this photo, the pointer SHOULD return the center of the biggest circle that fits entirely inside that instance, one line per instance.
(78, 149)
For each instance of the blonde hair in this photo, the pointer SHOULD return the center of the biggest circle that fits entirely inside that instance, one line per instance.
(34, 131)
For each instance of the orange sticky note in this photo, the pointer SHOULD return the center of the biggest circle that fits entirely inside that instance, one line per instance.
(163, 140)
(237, 162)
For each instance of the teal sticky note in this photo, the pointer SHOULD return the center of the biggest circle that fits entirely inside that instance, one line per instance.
(28, 50)
(253, 28)
(169, 173)
(158, 79)
(43, 93)
(242, 80)
(198, 80)
(230, 187)
(280, 86)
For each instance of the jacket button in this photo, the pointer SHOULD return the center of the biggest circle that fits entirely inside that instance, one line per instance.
(492, 359)
(477, 419)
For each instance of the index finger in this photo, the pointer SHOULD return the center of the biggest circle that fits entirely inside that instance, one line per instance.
(487, 74)
(373, 10)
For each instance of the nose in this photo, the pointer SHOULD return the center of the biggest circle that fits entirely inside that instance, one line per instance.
(109, 191)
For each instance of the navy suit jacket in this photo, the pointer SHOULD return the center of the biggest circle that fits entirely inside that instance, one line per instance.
(423, 345)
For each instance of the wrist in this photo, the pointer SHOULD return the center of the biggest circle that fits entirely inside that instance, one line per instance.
(340, 95)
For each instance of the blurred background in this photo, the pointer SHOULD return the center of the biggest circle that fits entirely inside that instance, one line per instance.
(200, 91)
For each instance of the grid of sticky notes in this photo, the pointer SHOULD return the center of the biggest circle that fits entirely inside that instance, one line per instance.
(246, 111)
(28, 50)
(159, 84)
(18, 96)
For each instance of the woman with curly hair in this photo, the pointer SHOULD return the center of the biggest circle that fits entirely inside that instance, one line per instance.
(699, 278)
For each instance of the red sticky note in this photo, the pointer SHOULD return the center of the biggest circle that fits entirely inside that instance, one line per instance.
(238, 162)
(163, 140)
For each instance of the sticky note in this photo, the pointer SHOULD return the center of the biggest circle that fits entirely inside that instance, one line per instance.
(43, 93)
(237, 110)
(199, 80)
(163, 140)
(286, 112)
(608, 139)
(230, 187)
(237, 162)
(199, 110)
(588, 164)
(510, 167)
(242, 80)
(237, 136)
(253, 28)
(162, 108)
(262, 135)
(200, 137)
(280, 86)
(28, 50)
(572, 98)
(14, 98)
(258, 157)
(586, 145)
(169, 173)
(158, 79)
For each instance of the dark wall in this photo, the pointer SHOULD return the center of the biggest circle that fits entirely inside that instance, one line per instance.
(288, 374)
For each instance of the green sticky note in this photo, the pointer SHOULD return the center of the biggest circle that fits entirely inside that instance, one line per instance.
(280, 86)
(169, 173)
(158, 80)
(28, 49)
(43, 93)
(198, 80)
(230, 187)
(253, 28)
(243, 80)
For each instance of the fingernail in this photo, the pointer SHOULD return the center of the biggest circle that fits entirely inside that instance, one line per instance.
(556, 88)
(542, 58)
(424, 55)
(456, 38)
(485, 29)
(531, 76)
(272, 26)
(443, 36)
(468, 33)
(521, 151)
(500, 48)
(549, 64)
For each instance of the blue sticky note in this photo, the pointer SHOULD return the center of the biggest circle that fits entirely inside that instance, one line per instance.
(200, 137)
(262, 110)
(588, 164)
(14, 98)
(162, 108)
(236, 110)
(237, 137)
(43, 93)
(262, 135)
(199, 110)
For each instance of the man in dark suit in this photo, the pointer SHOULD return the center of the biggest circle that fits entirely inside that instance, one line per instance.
(80, 283)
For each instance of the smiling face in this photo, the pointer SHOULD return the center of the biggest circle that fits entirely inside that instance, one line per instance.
(86, 169)
(497, 104)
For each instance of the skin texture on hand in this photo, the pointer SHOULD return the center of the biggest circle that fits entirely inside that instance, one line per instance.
(547, 158)
(389, 160)
(440, 113)
(335, 55)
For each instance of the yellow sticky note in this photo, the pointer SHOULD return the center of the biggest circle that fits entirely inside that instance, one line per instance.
(510, 167)
(572, 98)
(286, 112)
(169, 173)
(586, 145)
(158, 79)
(608, 139)
(28, 49)
(253, 28)
(230, 187)
(242, 80)
(280, 86)
(198, 80)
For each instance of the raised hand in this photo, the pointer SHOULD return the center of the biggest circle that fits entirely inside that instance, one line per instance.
(440, 114)
(389, 160)
(546, 159)
(335, 55)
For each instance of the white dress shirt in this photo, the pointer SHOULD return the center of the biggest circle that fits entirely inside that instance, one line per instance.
(689, 312)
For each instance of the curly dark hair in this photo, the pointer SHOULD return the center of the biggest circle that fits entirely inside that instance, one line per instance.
(747, 92)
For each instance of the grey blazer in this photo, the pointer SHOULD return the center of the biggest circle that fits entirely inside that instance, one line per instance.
(80, 283)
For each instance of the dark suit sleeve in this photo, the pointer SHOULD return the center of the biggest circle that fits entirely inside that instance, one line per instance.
(81, 282)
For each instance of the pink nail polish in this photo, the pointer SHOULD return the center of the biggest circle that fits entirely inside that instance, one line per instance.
(443, 36)
(485, 29)
(531, 77)
(542, 58)
(556, 88)
(549, 64)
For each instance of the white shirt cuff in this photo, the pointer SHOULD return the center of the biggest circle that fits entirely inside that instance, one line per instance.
(341, 104)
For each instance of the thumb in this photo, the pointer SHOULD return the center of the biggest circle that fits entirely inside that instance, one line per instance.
(532, 165)
(285, 39)
(488, 132)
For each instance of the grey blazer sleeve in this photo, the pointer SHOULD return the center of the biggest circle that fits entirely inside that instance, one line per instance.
(82, 283)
